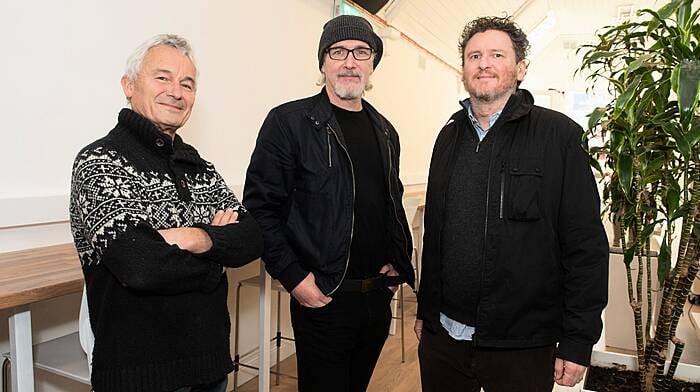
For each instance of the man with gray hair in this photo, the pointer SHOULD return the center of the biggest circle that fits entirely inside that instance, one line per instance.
(324, 184)
(155, 227)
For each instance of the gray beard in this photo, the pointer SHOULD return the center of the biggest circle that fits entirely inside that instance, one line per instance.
(348, 94)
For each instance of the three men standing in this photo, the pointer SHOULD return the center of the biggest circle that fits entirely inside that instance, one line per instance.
(323, 183)
(515, 258)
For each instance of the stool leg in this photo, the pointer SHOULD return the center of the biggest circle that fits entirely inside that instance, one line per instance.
(236, 357)
(419, 247)
(278, 339)
(417, 263)
(5, 374)
(403, 347)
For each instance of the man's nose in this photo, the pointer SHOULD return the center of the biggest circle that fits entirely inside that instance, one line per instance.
(175, 90)
(350, 61)
(484, 62)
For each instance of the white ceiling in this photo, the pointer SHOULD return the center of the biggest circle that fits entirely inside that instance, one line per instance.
(436, 24)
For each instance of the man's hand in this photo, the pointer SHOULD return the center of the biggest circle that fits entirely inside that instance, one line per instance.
(224, 217)
(389, 270)
(309, 295)
(194, 239)
(418, 328)
(567, 373)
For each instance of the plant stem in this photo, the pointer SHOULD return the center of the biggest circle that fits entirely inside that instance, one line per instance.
(647, 330)
(637, 303)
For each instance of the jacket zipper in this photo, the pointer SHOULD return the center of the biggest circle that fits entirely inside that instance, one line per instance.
(486, 232)
(503, 187)
(393, 202)
(352, 221)
(328, 139)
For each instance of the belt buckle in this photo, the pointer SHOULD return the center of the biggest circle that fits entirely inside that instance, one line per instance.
(365, 286)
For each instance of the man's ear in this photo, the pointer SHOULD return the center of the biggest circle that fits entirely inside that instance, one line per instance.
(522, 69)
(128, 87)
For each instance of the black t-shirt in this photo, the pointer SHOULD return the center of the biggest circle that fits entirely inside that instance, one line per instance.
(370, 239)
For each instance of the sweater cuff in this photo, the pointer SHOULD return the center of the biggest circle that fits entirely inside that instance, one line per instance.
(574, 352)
(233, 245)
(291, 276)
(218, 238)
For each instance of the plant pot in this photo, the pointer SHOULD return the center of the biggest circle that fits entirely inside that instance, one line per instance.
(605, 359)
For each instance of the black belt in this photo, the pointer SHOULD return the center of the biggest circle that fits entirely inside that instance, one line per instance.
(370, 284)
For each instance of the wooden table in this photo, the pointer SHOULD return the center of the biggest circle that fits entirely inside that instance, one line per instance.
(26, 277)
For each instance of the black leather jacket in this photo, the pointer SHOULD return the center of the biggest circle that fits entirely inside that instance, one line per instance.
(545, 273)
(300, 188)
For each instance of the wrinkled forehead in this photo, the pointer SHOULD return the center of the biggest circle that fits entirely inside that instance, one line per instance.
(169, 59)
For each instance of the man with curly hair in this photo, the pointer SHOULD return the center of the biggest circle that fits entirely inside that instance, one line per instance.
(515, 256)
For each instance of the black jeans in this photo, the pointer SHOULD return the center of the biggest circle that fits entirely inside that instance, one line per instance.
(447, 364)
(337, 346)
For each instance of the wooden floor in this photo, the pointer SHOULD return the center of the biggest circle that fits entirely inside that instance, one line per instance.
(389, 375)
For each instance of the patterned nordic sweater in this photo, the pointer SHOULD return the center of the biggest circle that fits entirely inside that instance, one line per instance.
(158, 313)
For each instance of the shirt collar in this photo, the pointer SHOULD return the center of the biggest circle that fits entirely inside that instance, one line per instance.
(468, 108)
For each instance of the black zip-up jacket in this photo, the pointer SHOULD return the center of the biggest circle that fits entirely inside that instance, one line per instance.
(545, 272)
(300, 188)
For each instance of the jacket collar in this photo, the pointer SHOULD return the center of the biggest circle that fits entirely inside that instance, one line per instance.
(321, 113)
(519, 104)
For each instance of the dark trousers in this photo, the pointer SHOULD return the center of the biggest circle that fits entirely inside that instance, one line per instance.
(447, 364)
(217, 386)
(337, 346)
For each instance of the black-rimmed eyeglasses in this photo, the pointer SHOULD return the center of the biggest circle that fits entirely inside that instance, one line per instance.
(340, 53)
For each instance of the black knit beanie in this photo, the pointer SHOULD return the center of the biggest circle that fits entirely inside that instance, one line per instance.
(349, 27)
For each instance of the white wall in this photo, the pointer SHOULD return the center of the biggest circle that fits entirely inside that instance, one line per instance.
(65, 59)
(418, 95)
(61, 65)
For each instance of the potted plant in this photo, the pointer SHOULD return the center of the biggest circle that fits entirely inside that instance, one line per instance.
(650, 133)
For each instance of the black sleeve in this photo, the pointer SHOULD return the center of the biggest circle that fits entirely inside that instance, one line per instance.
(235, 244)
(141, 260)
(117, 233)
(269, 181)
(584, 250)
